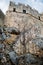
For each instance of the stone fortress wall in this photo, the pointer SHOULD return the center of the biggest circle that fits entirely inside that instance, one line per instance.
(23, 9)
(19, 15)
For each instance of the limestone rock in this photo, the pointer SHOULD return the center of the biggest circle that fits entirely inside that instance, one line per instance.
(13, 57)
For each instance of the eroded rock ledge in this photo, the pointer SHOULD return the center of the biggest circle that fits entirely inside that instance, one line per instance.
(15, 49)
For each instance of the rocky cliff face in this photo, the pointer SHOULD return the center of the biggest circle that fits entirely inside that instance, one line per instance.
(19, 48)
(2, 17)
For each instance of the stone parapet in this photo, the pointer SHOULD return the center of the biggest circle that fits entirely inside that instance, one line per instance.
(13, 7)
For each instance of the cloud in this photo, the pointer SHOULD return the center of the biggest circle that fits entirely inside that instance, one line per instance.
(37, 4)
(4, 5)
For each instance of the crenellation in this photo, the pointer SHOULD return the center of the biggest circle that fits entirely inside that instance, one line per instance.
(23, 8)
(11, 3)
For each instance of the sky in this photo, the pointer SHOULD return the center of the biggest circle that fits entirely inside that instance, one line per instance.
(36, 4)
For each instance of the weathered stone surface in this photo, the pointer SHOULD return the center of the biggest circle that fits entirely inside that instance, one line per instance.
(1, 47)
(2, 17)
(13, 57)
(21, 37)
(1, 56)
(30, 59)
(12, 30)
(19, 20)
(41, 17)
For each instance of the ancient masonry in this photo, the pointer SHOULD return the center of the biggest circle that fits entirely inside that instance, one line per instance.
(24, 17)
(22, 33)
(18, 14)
